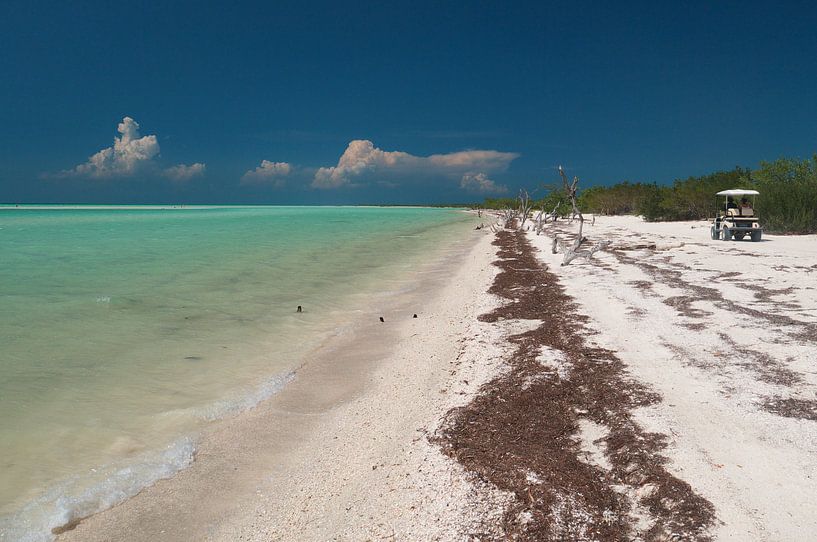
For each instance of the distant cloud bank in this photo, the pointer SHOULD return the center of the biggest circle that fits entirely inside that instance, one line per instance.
(362, 162)
(183, 172)
(267, 173)
(129, 155)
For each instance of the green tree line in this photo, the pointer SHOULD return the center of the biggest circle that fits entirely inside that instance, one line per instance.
(787, 201)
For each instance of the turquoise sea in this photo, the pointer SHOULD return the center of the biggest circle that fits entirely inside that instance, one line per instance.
(124, 330)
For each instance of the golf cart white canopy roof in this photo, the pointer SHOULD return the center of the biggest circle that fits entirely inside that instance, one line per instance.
(738, 192)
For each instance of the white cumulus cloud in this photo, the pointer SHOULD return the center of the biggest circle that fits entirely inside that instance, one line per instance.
(267, 172)
(130, 154)
(362, 161)
(183, 172)
(480, 183)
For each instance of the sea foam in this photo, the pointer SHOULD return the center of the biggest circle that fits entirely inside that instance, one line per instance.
(270, 387)
(69, 501)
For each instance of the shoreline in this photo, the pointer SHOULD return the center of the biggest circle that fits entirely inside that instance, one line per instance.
(535, 401)
(250, 459)
(212, 358)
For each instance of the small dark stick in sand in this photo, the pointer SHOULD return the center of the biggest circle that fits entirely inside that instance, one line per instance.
(300, 309)
(381, 319)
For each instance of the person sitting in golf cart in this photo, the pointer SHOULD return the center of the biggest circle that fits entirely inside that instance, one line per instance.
(730, 203)
(745, 207)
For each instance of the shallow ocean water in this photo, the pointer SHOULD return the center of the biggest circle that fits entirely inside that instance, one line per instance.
(124, 330)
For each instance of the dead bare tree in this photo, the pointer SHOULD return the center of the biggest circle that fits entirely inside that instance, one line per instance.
(572, 252)
(539, 221)
(571, 191)
(525, 206)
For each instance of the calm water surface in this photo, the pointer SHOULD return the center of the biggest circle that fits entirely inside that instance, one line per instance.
(123, 330)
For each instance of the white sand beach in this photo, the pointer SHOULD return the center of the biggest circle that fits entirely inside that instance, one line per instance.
(735, 367)
(724, 332)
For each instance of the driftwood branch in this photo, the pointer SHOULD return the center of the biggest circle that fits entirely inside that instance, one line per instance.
(587, 254)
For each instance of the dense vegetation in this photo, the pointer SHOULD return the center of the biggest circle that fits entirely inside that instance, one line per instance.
(788, 195)
(787, 201)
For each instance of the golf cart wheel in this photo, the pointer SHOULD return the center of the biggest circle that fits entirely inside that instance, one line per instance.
(756, 235)
(714, 233)
(740, 236)
(727, 234)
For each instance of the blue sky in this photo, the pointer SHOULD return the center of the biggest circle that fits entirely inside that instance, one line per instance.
(410, 102)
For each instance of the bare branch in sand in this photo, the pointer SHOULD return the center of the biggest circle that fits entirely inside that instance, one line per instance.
(572, 254)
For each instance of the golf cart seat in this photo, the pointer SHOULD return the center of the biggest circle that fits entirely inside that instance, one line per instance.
(740, 211)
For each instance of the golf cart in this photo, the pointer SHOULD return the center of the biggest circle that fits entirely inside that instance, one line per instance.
(736, 218)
